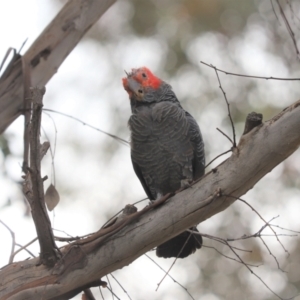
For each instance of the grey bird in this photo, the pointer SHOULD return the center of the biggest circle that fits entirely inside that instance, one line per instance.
(167, 149)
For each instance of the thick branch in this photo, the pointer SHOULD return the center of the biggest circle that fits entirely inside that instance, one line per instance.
(47, 53)
(258, 152)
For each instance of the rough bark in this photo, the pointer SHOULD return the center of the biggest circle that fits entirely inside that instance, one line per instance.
(33, 187)
(47, 53)
(258, 152)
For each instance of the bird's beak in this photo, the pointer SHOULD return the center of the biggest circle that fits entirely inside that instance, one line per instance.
(133, 86)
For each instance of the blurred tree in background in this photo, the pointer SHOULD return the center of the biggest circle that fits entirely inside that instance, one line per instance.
(94, 174)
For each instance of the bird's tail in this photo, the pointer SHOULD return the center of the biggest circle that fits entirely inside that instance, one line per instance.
(181, 245)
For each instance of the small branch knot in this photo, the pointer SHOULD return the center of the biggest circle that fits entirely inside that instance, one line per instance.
(253, 120)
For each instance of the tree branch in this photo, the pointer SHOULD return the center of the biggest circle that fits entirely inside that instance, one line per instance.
(33, 187)
(46, 54)
(257, 153)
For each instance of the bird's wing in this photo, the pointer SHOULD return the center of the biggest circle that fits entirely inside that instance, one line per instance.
(140, 176)
(198, 145)
(164, 140)
(141, 143)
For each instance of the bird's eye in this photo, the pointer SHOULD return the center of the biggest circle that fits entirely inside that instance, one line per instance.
(140, 91)
(144, 75)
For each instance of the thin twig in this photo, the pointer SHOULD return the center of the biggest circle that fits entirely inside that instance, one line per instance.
(111, 218)
(274, 257)
(62, 231)
(122, 141)
(120, 285)
(25, 248)
(267, 224)
(110, 288)
(245, 202)
(142, 200)
(218, 239)
(69, 238)
(289, 28)
(167, 273)
(229, 257)
(252, 272)
(101, 292)
(273, 8)
(230, 150)
(186, 241)
(284, 228)
(249, 76)
(11, 257)
(52, 151)
(279, 234)
(113, 294)
(228, 107)
(242, 262)
(257, 234)
(293, 15)
(225, 135)
(170, 276)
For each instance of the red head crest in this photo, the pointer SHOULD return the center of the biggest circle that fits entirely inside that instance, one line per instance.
(141, 76)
